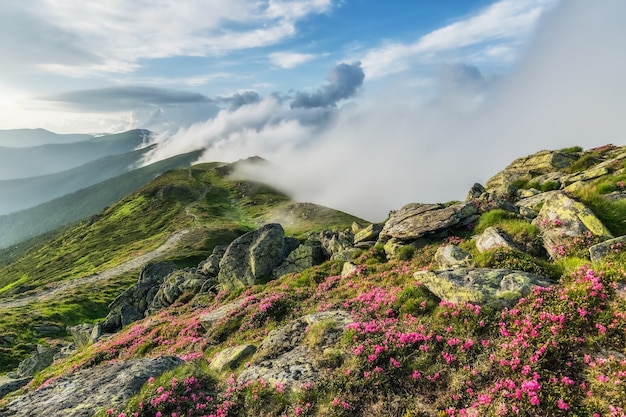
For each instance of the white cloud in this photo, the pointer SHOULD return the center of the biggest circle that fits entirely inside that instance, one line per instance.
(505, 20)
(114, 36)
(289, 59)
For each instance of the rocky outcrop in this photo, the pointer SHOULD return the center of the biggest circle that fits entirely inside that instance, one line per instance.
(294, 354)
(207, 319)
(250, 259)
(130, 305)
(85, 334)
(86, 392)
(451, 256)
(175, 285)
(333, 242)
(496, 287)
(416, 220)
(36, 362)
(210, 267)
(561, 219)
(301, 258)
(9, 385)
(369, 233)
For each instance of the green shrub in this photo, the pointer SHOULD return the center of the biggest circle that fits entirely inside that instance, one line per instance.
(573, 149)
(493, 218)
(520, 261)
(405, 253)
(584, 162)
(611, 213)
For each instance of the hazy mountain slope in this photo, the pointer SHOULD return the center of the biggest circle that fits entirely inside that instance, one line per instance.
(22, 193)
(26, 224)
(51, 158)
(24, 138)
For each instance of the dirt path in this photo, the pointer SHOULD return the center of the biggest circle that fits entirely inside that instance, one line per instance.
(135, 263)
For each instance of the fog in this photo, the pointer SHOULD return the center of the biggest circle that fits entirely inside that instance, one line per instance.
(390, 146)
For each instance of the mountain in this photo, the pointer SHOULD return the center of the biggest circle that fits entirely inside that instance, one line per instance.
(29, 223)
(188, 298)
(22, 193)
(24, 138)
(56, 157)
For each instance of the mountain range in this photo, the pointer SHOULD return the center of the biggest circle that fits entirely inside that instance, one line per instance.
(188, 291)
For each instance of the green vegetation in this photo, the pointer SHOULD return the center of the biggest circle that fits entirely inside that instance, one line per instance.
(573, 149)
(611, 213)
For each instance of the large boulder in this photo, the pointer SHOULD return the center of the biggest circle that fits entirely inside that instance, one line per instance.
(230, 358)
(369, 233)
(562, 219)
(130, 305)
(250, 259)
(416, 220)
(87, 392)
(9, 385)
(294, 354)
(495, 287)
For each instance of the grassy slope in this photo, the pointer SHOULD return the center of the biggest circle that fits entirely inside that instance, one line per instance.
(201, 198)
(46, 159)
(558, 352)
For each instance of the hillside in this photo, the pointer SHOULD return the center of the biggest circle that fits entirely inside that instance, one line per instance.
(25, 138)
(24, 162)
(22, 193)
(30, 223)
(509, 303)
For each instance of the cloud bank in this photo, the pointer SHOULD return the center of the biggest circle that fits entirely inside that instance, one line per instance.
(390, 149)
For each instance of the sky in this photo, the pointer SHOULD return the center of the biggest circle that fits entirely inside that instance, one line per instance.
(362, 105)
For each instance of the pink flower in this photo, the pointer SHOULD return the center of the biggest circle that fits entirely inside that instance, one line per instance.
(534, 400)
(562, 404)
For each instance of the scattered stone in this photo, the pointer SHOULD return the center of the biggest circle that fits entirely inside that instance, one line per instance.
(608, 247)
(416, 220)
(207, 319)
(332, 241)
(493, 238)
(348, 269)
(46, 330)
(86, 392)
(477, 192)
(85, 334)
(251, 258)
(346, 255)
(497, 287)
(451, 256)
(231, 358)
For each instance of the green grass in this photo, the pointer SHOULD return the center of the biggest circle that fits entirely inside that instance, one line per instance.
(611, 213)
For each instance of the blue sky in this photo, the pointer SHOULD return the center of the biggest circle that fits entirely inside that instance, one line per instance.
(362, 105)
(61, 56)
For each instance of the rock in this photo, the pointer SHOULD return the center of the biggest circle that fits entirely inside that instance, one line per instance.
(346, 255)
(493, 238)
(332, 241)
(368, 234)
(561, 219)
(86, 392)
(175, 285)
(46, 330)
(294, 354)
(207, 319)
(477, 192)
(525, 168)
(211, 265)
(451, 256)
(85, 334)
(36, 362)
(348, 269)
(392, 246)
(589, 174)
(496, 287)
(231, 358)
(608, 247)
(416, 220)
(130, 305)
(303, 257)
(9, 385)
(251, 258)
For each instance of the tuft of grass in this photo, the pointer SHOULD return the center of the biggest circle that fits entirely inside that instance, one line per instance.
(611, 213)
(571, 150)
(520, 261)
